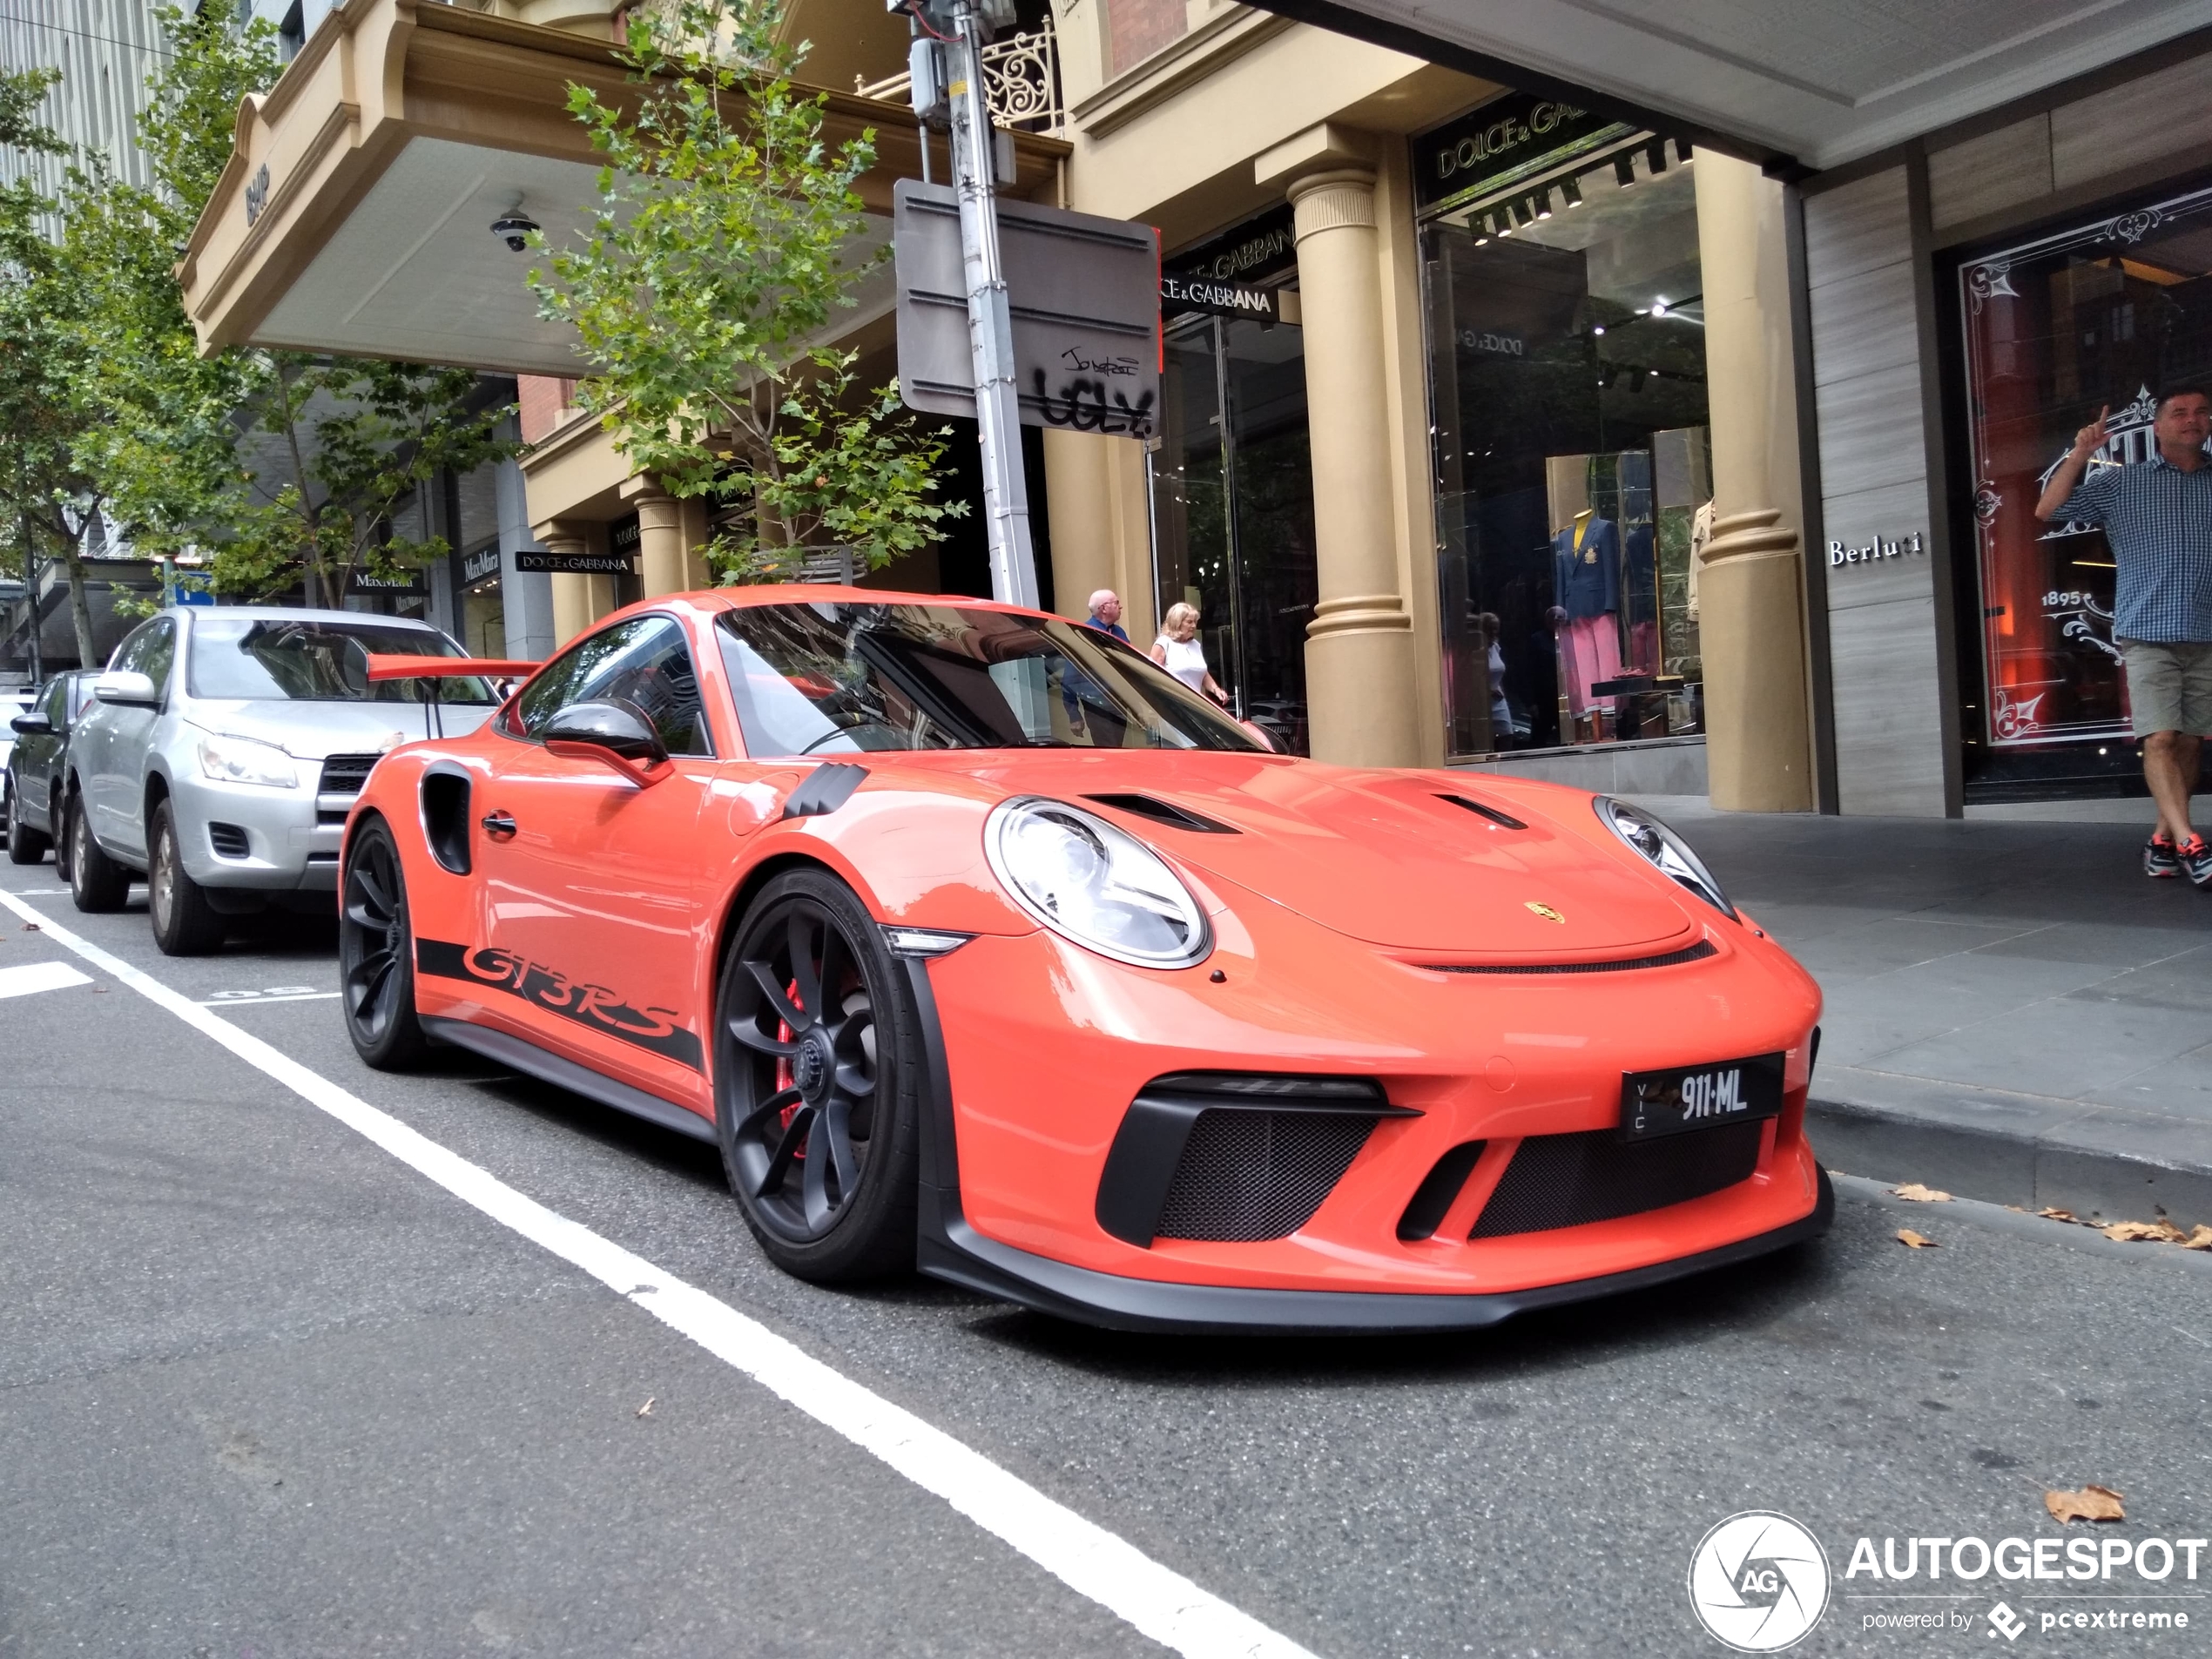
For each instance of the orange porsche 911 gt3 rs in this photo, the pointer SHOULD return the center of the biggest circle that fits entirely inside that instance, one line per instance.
(979, 944)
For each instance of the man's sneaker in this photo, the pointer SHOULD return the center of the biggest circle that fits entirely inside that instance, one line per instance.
(2196, 859)
(2160, 857)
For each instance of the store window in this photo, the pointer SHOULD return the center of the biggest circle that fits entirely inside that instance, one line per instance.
(2098, 316)
(1567, 380)
(1232, 475)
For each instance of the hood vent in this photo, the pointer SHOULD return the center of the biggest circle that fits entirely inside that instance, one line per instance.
(1503, 820)
(1161, 812)
(1697, 953)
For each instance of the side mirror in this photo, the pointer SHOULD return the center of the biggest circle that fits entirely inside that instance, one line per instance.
(27, 726)
(614, 731)
(127, 687)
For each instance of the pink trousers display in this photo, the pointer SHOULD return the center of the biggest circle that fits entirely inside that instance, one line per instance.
(1590, 646)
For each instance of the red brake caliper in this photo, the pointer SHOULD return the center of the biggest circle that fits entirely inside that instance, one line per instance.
(784, 1078)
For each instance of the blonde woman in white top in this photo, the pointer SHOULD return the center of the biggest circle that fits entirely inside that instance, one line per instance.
(1177, 651)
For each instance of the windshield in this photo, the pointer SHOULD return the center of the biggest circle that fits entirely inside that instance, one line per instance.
(812, 680)
(276, 660)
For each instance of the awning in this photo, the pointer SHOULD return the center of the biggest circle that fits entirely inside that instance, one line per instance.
(1814, 82)
(354, 216)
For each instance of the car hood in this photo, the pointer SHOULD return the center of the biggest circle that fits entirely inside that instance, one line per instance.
(317, 731)
(1383, 857)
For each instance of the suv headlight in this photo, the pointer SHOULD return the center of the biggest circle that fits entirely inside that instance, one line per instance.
(242, 760)
(1093, 884)
(1667, 851)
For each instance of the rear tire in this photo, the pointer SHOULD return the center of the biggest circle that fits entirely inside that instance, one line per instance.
(96, 883)
(828, 1175)
(25, 845)
(376, 954)
(185, 924)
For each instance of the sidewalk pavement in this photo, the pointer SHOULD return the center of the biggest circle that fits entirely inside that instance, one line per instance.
(2014, 1012)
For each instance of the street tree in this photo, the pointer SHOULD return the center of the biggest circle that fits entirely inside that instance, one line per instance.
(722, 249)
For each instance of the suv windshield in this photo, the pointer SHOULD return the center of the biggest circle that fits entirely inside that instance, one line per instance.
(278, 660)
(833, 678)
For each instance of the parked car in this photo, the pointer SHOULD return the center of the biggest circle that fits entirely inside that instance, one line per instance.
(14, 700)
(41, 734)
(1113, 1013)
(222, 752)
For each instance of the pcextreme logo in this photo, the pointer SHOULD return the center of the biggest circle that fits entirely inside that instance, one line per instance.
(1758, 1582)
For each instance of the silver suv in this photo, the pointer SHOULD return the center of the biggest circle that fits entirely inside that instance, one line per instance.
(224, 749)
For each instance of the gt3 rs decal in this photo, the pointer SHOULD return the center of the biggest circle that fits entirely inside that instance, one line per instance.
(594, 1006)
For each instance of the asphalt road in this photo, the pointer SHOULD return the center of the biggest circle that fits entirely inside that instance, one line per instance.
(264, 1390)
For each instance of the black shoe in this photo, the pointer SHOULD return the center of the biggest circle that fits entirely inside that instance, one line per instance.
(2196, 859)
(2160, 857)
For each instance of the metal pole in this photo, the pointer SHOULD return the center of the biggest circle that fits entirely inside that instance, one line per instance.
(990, 326)
(32, 569)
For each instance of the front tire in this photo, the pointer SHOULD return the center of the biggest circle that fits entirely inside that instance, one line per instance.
(25, 845)
(376, 954)
(818, 1068)
(185, 924)
(96, 883)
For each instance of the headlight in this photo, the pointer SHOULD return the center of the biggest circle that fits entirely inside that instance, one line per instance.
(1667, 851)
(241, 760)
(1094, 884)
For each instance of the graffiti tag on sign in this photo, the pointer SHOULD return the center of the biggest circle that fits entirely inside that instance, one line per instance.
(1087, 405)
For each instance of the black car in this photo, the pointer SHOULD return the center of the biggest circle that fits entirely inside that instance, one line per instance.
(41, 741)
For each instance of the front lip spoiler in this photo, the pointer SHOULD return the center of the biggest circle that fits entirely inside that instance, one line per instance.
(953, 1250)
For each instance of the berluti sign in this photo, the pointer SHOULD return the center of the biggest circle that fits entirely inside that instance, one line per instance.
(1505, 140)
(1899, 547)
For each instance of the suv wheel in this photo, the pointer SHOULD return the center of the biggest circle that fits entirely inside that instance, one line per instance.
(185, 924)
(96, 883)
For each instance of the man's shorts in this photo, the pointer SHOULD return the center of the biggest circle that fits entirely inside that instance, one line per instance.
(2169, 687)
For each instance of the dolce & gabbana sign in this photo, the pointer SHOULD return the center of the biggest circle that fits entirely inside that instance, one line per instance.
(1505, 140)
(1900, 547)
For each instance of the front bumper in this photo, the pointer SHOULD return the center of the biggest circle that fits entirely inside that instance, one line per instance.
(953, 1250)
(289, 847)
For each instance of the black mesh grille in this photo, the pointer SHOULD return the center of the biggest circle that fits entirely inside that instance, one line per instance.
(1697, 953)
(229, 842)
(1246, 1176)
(1564, 1180)
(345, 774)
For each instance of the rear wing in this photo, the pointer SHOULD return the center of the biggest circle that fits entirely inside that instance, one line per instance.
(448, 668)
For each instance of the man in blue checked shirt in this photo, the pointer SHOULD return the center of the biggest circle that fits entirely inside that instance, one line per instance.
(2157, 518)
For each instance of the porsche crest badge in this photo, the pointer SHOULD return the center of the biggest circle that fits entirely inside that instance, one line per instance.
(1546, 911)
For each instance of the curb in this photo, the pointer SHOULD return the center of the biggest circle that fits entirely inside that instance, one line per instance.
(2060, 1166)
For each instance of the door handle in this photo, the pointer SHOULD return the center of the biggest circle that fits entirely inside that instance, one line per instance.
(499, 826)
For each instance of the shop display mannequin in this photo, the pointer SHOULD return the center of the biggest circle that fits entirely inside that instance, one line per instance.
(1586, 610)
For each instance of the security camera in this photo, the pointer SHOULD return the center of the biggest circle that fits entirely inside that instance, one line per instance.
(513, 227)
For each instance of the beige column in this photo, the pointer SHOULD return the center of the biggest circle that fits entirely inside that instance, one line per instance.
(1360, 687)
(1751, 616)
(662, 560)
(578, 601)
(1079, 502)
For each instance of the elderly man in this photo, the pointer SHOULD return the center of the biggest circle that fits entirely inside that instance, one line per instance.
(2157, 517)
(1106, 614)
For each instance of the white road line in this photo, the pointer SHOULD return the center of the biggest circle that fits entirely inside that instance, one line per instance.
(1159, 1602)
(247, 1001)
(39, 976)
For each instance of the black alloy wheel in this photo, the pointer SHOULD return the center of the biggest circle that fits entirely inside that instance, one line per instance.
(816, 1068)
(376, 954)
(96, 883)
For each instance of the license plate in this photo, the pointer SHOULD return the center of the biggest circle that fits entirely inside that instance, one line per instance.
(1683, 1098)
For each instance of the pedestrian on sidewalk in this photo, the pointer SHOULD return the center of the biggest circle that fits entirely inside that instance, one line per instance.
(1106, 614)
(2157, 516)
(1177, 651)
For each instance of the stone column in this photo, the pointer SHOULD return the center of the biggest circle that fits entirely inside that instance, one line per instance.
(1359, 646)
(1751, 620)
(578, 601)
(661, 551)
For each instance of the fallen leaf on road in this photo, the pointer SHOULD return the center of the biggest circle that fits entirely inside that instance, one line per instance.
(645, 1410)
(2061, 1215)
(2131, 1232)
(33, 927)
(1915, 1193)
(2091, 1503)
(1905, 1236)
(2201, 1240)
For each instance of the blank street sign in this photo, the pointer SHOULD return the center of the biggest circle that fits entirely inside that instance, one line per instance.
(1084, 293)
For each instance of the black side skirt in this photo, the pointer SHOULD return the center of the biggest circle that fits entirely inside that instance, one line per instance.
(532, 1061)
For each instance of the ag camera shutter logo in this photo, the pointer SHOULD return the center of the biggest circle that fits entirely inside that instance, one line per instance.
(1758, 1582)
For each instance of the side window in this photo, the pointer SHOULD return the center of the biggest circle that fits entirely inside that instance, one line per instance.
(56, 707)
(160, 652)
(645, 661)
(129, 656)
